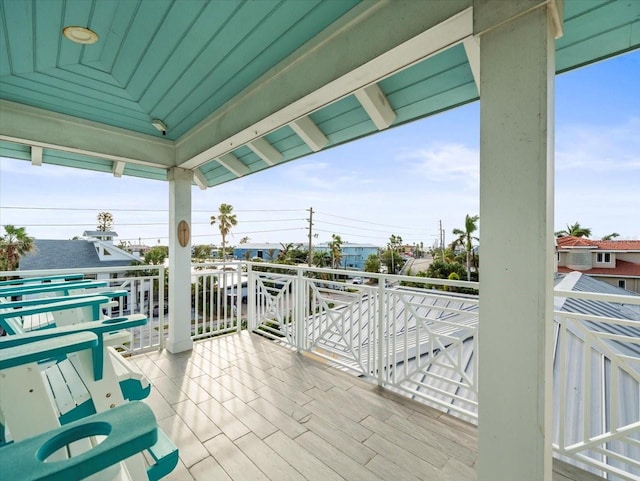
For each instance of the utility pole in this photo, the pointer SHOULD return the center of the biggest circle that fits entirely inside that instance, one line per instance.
(310, 235)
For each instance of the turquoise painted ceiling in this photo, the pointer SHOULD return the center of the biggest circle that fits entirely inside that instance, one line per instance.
(244, 85)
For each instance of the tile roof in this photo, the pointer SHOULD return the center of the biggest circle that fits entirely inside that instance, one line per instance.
(609, 245)
(622, 269)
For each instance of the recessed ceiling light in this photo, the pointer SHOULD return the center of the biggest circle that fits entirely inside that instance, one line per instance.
(80, 35)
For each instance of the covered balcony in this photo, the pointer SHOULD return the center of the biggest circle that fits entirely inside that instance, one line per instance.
(201, 93)
(297, 373)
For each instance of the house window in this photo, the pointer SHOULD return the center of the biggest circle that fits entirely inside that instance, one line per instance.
(604, 257)
(260, 254)
(622, 283)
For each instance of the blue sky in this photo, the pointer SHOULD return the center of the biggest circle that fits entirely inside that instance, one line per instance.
(401, 181)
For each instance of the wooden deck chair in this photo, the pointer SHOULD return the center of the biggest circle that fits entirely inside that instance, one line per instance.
(128, 430)
(65, 288)
(63, 317)
(133, 383)
(41, 280)
(29, 398)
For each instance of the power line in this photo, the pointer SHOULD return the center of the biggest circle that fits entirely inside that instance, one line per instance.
(215, 234)
(345, 234)
(404, 230)
(93, 224)
(362, 221)
(354, 227)
(89, 209)
(15, 207)
(251, 232)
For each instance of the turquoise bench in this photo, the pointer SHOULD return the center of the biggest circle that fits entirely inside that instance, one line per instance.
(24, 394)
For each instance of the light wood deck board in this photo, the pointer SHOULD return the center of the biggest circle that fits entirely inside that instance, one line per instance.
(241, 407)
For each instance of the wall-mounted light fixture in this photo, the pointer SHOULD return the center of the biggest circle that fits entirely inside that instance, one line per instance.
(159, 124)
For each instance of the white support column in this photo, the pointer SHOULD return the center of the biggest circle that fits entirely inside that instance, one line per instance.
(179, 262)
(517, 60)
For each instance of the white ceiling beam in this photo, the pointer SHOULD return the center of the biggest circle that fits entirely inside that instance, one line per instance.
(314, 76)
(36, 155)
(200, 179)
(377, 106)
(118, 168)
(472, 48)
(263, 149)
(309, 132)
(26, 125)
(233, 165)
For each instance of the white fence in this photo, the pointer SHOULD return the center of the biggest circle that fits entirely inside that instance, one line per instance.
(413, 339)
(597, 384)
(217, 297)
(146, 294)
(428, 336)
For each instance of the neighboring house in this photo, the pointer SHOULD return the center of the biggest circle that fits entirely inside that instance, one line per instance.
(616, 262)
(353, 255)
(407, 250)
(95, 250)
(266, 252)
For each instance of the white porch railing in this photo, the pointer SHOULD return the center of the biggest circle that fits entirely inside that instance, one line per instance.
(426, 334)
(217, 293)
(146, 294)
(597, 385)
(417, 341)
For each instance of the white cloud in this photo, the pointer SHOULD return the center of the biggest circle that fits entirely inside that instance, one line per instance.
(599, 148)
(446, 162)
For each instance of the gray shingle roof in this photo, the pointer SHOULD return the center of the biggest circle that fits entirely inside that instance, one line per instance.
(64, 254)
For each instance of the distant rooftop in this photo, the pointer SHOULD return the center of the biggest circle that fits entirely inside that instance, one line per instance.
(568, 242)
(260, 246)
(622, 269)
(348, 244)
(99, 233)
(65, 254)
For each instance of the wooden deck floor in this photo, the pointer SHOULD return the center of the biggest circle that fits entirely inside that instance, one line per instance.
(242, 408)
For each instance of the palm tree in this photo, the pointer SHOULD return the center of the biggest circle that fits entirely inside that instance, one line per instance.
(466, 238)
(285, 252)
(611, 236)
(335, 248)
(105, 221)
(226, 221)
(321, 258)
(575, 230)
(14, 244)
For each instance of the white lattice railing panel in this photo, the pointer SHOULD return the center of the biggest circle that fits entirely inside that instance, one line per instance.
(598, 394)
(430, 348)
(275, 307)
(341, 323)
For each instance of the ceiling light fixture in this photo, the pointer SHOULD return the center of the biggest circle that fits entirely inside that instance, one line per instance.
(80, 35)
(159, 124)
